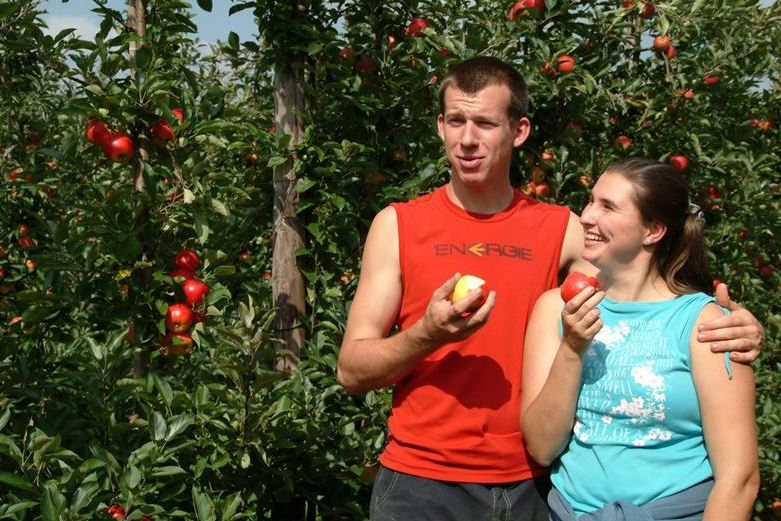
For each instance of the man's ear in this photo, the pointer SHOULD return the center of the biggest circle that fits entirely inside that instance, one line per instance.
(441, 127)
(655, 232)
(522, 132)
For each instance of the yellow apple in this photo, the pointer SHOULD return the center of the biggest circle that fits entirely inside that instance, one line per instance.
(466, 284)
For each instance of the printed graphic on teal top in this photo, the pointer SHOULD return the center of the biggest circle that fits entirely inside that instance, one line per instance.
(637, 435)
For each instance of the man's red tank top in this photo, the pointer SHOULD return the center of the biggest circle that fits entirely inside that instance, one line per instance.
(456, 416)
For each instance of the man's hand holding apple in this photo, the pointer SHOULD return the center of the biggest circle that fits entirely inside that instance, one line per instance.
(448, 321)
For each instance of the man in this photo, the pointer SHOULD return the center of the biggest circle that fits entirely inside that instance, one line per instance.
(455, 450)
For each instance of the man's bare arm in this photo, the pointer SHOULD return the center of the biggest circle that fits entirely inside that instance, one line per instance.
(369, 358)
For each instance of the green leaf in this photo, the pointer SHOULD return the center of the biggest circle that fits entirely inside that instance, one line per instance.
(233, 41)
(202, 229)
(276, 161)
(204, 506)
(303, 184)
(177, 425)
(16, 481)
(163, 388)
(247, 313)
(52, 503)
(7, 446)
(230, 506)
(219, 207)
(97, 349)
(84, 495)
(159, 426)
(206, 5)
(170, 470)
(143, 56)
(131, 477)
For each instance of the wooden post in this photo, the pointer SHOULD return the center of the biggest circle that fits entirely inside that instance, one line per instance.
(136, 22)
(287, 281)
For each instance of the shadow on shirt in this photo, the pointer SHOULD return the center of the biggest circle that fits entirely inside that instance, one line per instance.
(475, 381)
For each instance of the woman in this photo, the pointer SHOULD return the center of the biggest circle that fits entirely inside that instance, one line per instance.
(639, 419)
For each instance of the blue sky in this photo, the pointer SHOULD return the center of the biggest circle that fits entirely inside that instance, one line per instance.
(212, 26)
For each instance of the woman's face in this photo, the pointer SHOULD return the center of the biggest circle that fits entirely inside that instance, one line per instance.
(615, 232)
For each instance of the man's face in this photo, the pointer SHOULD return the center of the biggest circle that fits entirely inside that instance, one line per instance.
(478, 135)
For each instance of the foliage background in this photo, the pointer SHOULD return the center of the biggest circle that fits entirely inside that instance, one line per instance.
(220, 434)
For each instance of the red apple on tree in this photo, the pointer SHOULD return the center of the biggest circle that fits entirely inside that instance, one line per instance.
(710, 80)
(15, 173)
(194, 291)
(187, 260)
(648, 10)
(541, 189)
(671, 52)
(622, 142)
(162, 132)
(2, 273)
(96, 131)
(416, 26)
(347, 54)
(525, 7)
(662, 42)
(175, 344)
(26, 241)
(679, 162)
(365, 64)
(119, 147)
(179, 318)
(575, 283)
(565, 63)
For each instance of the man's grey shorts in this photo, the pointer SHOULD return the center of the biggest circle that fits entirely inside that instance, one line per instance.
(402, 497)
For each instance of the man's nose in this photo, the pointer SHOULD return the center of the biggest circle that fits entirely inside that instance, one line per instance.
(469, 136)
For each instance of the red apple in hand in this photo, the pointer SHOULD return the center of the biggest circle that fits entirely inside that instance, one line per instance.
(179, 318)
(194, 291)
(119, 147)
(466, 284)
(575, 283)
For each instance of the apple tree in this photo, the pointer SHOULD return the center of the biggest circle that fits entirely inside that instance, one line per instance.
(103, 414)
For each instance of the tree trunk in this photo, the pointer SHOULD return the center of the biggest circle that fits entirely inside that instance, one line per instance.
(136, 22)
(287, 281)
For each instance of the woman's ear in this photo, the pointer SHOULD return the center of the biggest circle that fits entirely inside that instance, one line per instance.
(654, 233)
